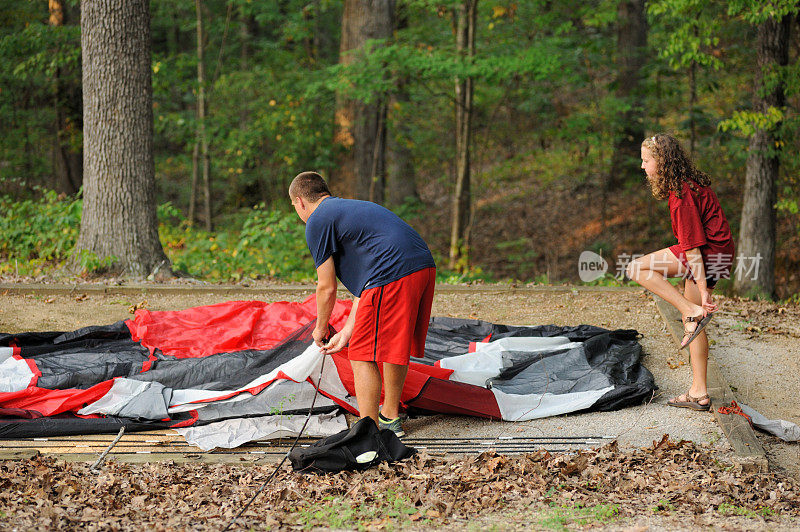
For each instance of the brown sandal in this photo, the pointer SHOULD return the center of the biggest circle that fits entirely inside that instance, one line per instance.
(692, 403)
(701, 321)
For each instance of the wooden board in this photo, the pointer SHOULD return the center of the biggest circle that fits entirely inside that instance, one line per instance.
(138, 447)
(165, 445)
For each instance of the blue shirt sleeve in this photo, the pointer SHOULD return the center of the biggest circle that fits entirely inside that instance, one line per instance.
(321, 240)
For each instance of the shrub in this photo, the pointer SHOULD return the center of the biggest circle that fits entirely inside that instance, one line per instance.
(36, 232)
(270, 243)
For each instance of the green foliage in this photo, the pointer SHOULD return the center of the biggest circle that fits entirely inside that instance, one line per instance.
(278, 409)
(337, 513)
(788, 204)
(541, 279)
(411, 209)
(270, 244)
(693, 36)
(757, 11)
(748, 122)
(794, 299)
(472, 275)
(38, 236)
(379, 66)
(664, 505)
(733, 509)
(32, 53)
(519, 251)
(266, 120)
(91, 263)
(565, 517)
(42, 51)
(36, 232)
(546, 111)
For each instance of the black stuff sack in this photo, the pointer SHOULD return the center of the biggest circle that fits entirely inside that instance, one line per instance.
(360, 447)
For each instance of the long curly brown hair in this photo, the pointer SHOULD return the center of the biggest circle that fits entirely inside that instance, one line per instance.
(673, 166)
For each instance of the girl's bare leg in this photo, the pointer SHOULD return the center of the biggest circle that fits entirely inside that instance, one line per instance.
(651, 271)
(698, 352)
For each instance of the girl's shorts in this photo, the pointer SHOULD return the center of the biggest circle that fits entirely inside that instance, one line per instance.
(717, 265)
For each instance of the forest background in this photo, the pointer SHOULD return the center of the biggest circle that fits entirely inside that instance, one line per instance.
(506, 132)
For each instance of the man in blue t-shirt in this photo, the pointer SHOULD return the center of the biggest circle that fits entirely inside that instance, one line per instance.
(389, 269)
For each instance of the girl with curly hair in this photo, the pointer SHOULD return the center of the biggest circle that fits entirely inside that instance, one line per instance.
(703, 254)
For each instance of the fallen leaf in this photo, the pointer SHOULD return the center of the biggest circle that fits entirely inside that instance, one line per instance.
(133, 308)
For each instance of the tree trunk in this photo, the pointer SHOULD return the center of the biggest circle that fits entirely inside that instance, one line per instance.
(173, 34)
(245, 36)
(119, 204)
(235, 188)
(195, 180)
(465, 18)
(373, 132)
(400, 178)
(67, 154)
(631, 43)
(692, 107)
(360, 127)
(202, 138)
(756, 269)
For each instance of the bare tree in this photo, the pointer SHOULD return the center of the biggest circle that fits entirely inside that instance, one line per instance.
(464, 18)
(693, 104)
(757, 234)
(361, 127)
(67, 156)
(119, 205)
(400, 178)
(200, 157)
(631, 43)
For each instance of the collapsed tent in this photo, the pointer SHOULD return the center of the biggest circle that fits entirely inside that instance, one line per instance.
(229, 373)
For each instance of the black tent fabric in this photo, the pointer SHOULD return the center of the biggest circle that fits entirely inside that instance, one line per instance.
(604, 358)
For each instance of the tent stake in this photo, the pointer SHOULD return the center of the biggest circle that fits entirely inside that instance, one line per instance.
(99, 461)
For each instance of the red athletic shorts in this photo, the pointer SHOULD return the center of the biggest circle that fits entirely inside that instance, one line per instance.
(392, 320)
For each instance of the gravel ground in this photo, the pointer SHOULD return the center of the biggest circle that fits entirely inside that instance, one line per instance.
(758, 351)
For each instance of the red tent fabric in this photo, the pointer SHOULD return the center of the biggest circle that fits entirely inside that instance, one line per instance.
(238, 325)
(226, 327)
(43, 402)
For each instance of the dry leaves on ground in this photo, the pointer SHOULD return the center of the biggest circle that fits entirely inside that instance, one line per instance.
(758, 317)
(677, 477)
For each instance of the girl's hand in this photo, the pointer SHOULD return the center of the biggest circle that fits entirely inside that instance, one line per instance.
(707, 301)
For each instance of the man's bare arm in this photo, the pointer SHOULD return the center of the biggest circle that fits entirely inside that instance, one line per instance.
(339, 340)
(326, 299)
